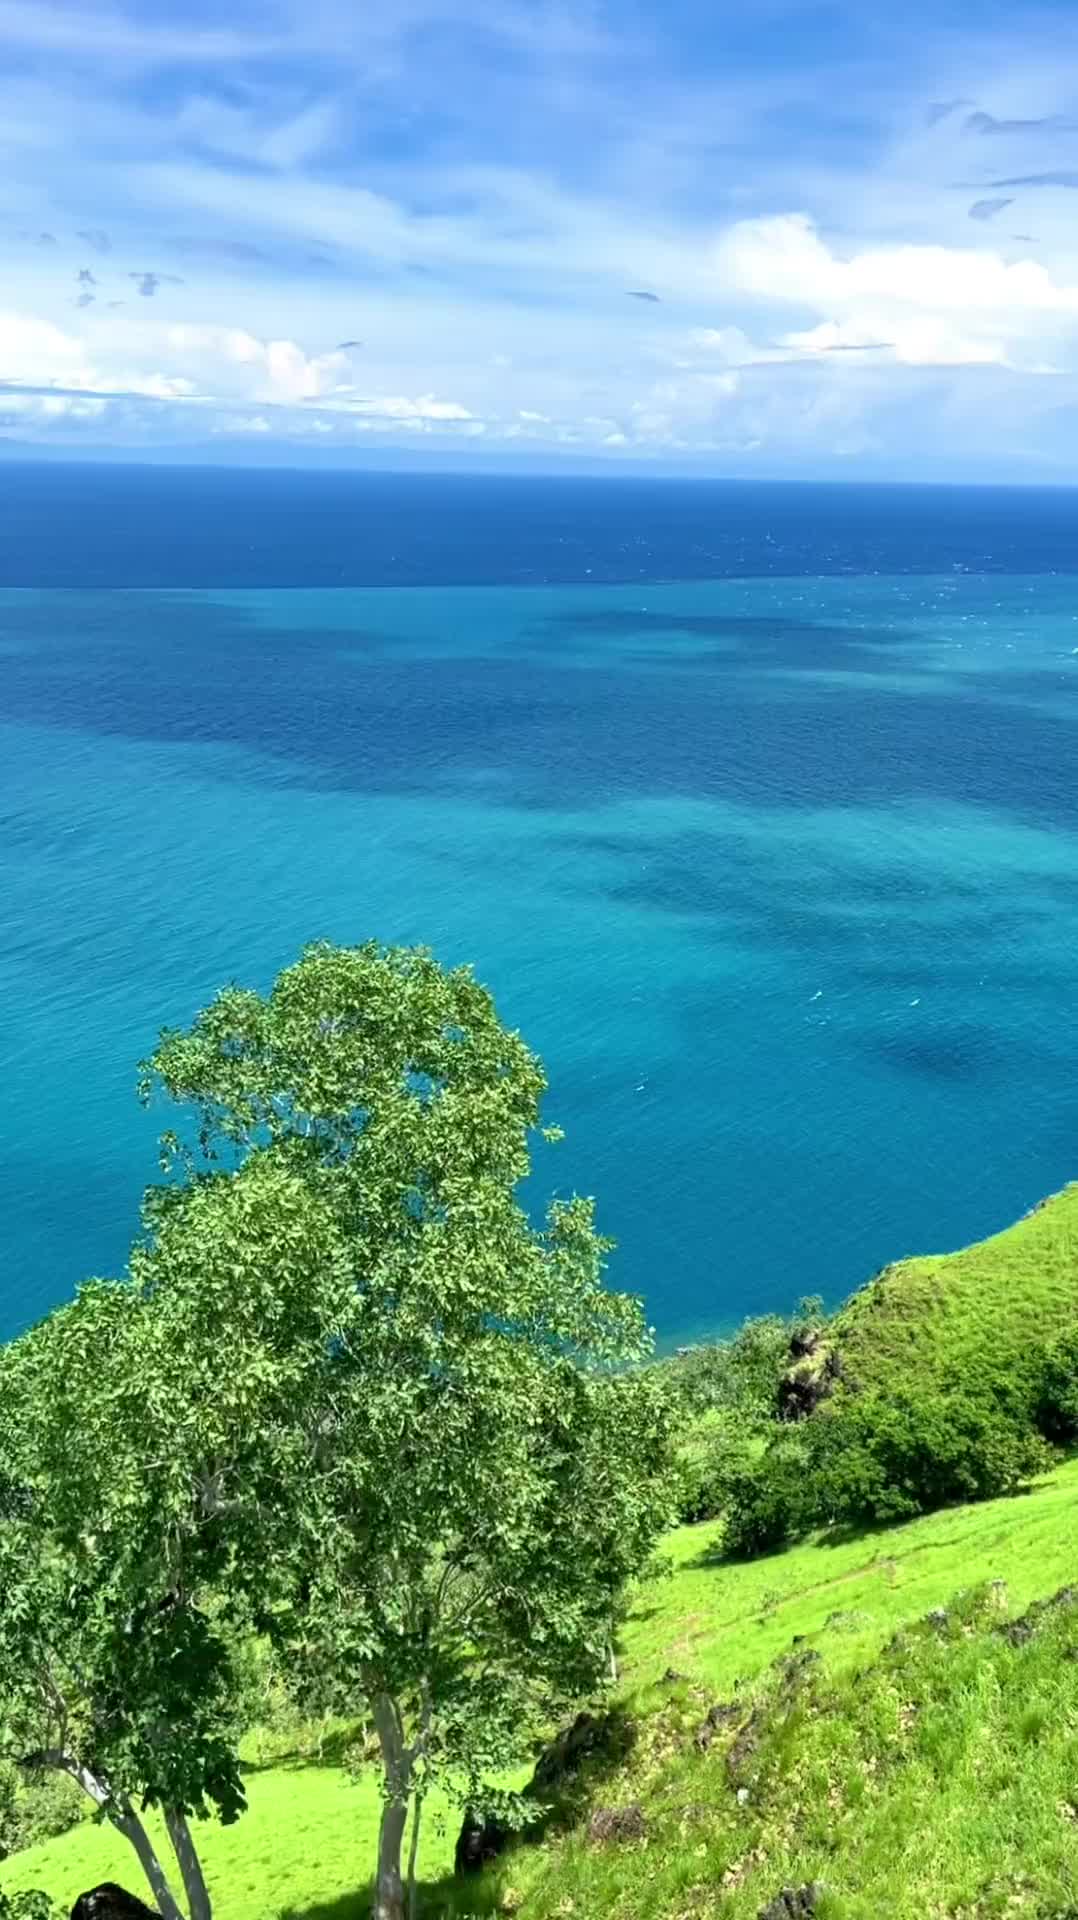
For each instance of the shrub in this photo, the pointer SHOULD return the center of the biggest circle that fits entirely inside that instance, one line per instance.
(868, 1460)
(887, 1457)
(768, 1502)
(712, 1463)
(740, 1374)
(1056, 1408)
(30, 1904)
(35, 1809)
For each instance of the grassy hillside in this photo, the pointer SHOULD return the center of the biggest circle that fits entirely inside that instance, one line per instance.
(923, 1318)
(942, 1783)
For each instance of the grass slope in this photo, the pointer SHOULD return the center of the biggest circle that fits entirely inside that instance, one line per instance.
(939, 1781)
(926, 1317)
(946, 1815)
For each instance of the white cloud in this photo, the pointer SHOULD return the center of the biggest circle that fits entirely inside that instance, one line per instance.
(918, 340)
(275, 370)
(482, 253)
(398, 408)
(239, 423)
(785, 259)
(35, 349)
(51, 408)
(926, 305)
(102, 31)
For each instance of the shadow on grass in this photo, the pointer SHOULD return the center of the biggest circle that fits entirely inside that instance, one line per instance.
(854, 1533)
(847, 1535)
(450, 1898)
(335, 1749)
(347, 1906)
(563, 1787)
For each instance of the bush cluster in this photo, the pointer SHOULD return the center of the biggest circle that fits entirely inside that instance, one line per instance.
(31, 1904)
(35, 1809)
(727, 1392)
(874, 1458)
(1057, 1391)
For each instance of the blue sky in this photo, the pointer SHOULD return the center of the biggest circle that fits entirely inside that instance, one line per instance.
(763, 237)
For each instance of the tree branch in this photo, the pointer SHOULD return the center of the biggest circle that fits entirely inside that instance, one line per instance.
(63, 1762)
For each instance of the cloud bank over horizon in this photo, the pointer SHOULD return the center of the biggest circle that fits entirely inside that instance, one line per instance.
(813, 240)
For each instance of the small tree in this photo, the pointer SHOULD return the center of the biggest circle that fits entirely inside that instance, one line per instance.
(444, 1509)
(112, 1671)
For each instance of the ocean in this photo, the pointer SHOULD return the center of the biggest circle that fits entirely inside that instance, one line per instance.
(756, 807)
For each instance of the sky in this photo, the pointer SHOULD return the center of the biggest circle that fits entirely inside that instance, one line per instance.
(760, 237)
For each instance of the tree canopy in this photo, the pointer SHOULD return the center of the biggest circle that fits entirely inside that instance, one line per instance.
(349, 1395)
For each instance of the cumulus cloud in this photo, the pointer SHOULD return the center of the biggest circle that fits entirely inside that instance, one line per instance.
(399, 408)
(422, 180)
(934, 305)
(785, 258)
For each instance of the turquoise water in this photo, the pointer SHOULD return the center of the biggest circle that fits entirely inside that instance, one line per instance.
(779, 875)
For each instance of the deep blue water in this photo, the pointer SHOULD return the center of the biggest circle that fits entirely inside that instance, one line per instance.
(755, 806)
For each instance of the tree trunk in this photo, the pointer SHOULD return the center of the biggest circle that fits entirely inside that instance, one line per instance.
(389, 1886)
(389, 1890)
(198, 1899)
(413, 1855)
(126, 1821)
(121, 1813)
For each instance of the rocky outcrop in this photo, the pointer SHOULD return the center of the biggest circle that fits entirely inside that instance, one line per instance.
(610, 1826)
(815, 1367)
(591, 1736)
(793, 1903)
(722, 1714)
(1023, 1629)
(745, 1747)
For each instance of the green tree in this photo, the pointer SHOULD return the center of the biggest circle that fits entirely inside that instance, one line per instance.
(452, 1486)
(113, 1673)
(167, 1406)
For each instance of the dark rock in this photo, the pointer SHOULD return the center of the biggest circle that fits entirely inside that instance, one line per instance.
(590, 1734)
(792, 1903)
(617, 1824)
(720, 1715)
(795, 1667)
(745, 1746)
(110, 1902)
(847, 1620)
(811, 1377)
(1023, 1629)
(478, 1842)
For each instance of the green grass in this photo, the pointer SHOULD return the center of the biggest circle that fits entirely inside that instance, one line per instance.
(960, 1814)
(991, 1302)
(940, 1781)
(301, 1848)
(922, 1829)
